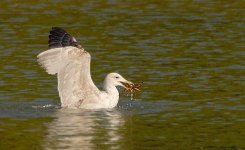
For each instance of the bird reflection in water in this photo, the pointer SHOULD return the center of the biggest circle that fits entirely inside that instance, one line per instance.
(83, 129)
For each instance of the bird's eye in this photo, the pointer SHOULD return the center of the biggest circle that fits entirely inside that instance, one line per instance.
(116, 77)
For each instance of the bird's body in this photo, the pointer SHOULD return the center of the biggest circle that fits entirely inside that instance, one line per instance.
(75, 85)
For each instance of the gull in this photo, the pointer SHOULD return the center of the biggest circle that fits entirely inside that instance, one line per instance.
(71, 63)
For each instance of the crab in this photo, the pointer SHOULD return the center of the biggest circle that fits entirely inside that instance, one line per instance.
(132, 88)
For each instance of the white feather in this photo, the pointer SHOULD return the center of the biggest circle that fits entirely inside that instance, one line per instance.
(75, 85)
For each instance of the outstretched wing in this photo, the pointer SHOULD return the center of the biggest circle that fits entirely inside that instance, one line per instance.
(58, 37)
(72, 66)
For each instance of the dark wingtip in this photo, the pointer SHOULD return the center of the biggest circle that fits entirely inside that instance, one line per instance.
(58, 37)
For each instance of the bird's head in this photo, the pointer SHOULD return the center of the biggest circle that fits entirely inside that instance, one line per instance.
(117, 80)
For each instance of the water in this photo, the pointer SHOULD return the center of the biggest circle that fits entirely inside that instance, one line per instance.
(189, 54)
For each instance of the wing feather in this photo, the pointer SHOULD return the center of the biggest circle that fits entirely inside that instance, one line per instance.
(72, 66)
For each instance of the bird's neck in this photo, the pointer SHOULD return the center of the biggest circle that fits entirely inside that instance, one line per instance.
(113, 94)
(110, 89)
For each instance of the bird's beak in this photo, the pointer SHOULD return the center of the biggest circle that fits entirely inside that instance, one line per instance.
(126, 84)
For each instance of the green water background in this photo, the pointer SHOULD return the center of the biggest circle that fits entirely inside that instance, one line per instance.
(190, 55)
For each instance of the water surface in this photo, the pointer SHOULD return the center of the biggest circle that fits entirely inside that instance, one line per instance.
(190, 55)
